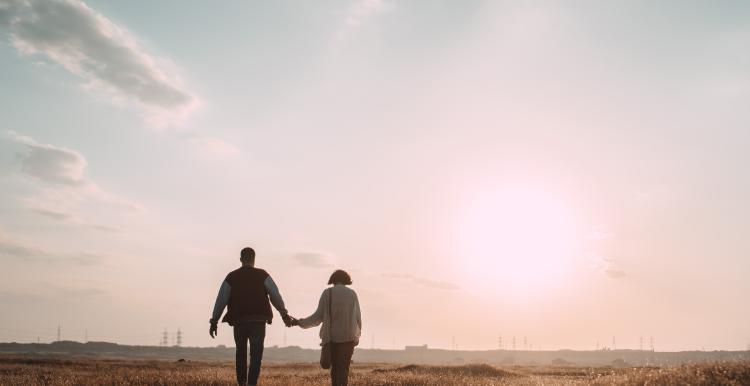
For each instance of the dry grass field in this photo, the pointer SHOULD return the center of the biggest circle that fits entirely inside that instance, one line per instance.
(26, 371)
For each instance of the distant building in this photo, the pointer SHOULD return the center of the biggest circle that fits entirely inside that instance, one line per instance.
(416, 348)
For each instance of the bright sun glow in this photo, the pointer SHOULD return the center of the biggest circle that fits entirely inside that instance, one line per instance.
(518, 240)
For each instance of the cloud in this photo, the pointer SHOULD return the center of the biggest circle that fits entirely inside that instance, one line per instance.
(357, 14)
(214, 148)
(615, 273)
(63, 184)
(361, 10)
(423, 282)
(55, 165)
(13, 248)
(97, 50)
(607, 265)
(312, 260)
(70, 218)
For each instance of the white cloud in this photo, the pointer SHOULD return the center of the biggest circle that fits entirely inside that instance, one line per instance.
(55, 165)
(359, 11)
(214, 148)
(422, 281)
(313, 260)
(94, 48)
(615, 273)
(70, 218)
(17, 249)
(62, 183)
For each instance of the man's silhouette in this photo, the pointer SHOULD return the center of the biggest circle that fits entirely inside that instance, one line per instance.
(246, 292)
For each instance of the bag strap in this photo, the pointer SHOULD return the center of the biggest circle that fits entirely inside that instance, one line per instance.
(330, 314)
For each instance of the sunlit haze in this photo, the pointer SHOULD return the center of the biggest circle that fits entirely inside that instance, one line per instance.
(569, 172)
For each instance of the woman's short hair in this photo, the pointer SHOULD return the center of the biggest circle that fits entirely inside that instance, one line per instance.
(340, 277)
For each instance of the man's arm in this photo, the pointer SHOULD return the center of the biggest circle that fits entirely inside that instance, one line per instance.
(275, 296)
(221, 301)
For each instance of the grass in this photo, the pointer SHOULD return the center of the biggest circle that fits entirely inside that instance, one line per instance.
(50, 371)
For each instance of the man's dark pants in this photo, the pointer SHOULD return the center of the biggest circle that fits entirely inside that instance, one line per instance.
(341, 357)
(255, 332)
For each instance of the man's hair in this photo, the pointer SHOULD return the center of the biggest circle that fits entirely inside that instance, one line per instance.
(340, 277)
(247, 254)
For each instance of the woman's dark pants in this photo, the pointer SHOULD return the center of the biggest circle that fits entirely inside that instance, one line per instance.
(255, 333)
(341, 357)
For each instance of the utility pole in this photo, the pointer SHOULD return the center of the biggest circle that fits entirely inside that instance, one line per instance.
(652, 344)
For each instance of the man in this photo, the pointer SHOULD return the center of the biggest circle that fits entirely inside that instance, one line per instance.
(246, 292)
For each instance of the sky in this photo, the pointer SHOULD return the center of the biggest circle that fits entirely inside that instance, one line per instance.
(569, 172)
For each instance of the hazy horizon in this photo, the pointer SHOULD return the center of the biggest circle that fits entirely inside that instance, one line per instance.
(564, 171)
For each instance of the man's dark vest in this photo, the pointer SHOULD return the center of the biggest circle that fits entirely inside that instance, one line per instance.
(248, 298)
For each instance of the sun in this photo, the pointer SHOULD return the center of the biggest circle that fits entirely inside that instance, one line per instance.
(518, 239)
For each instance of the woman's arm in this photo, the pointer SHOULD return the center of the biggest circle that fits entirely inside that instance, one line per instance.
(317, 317)
(357, 312)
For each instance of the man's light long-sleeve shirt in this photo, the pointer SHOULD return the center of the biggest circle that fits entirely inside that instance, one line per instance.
(345, 321)
(225, 290)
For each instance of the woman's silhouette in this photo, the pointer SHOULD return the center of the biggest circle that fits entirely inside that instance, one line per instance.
(338, 311)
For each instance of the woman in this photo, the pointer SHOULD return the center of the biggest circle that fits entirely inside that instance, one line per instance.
(342, 324)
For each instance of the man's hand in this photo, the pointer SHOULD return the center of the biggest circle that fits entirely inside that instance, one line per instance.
(289, 321)
(214, 329)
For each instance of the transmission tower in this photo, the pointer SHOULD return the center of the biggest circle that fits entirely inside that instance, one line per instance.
(165, 339)
(641, 344)
(525, 344)
(86, 335)
(514, 343)
(178, 341)
(58, 332)
(652, 343)
(500, 342)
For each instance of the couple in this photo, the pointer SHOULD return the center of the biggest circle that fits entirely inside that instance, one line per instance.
(248, 293)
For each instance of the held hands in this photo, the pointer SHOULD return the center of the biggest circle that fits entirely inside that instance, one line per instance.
(289, 320)
(214, 329)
